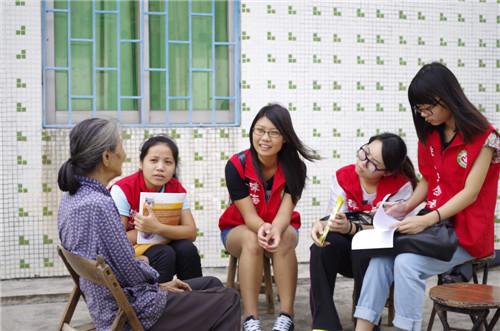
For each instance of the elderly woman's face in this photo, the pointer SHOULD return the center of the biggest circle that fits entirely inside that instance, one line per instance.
(116, 159)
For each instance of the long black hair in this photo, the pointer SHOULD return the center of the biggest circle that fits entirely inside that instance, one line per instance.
(160, 139)
(395, 156)
(88, 140)
(434, 83)
(288, 157)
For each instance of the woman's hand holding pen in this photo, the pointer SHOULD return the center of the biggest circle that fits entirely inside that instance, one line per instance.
(340, 224)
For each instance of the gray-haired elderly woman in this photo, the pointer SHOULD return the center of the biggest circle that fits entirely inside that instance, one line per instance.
(89, 225)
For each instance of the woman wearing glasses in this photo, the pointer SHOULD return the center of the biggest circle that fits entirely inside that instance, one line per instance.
(265, 183)
(458, 157)
(382, 167)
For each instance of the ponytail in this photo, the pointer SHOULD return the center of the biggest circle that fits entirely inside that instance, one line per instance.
(409, 171)
(66, 178)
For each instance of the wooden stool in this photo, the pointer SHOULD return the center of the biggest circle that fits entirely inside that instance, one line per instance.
(267, 280)
(476, 265)
(473, 299)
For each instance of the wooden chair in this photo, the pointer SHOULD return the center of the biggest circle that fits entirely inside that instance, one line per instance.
(477, 264)
(267, 280)
(475, 300)
(97, 272)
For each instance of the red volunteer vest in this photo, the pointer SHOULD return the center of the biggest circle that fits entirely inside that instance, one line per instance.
(266, 210)
(446, 172)
(134, 184)
(349, 181)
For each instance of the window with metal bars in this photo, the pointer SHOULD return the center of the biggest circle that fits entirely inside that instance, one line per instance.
(148, 63)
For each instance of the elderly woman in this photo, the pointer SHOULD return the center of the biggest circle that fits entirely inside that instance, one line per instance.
(89, 225)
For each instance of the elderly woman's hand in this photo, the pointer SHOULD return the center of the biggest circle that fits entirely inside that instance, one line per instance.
(175, 285)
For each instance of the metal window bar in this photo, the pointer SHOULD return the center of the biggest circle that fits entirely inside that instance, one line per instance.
(143, 70)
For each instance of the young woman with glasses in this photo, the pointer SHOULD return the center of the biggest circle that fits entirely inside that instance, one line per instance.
(265, 183)
(458, 157)
(382, 167)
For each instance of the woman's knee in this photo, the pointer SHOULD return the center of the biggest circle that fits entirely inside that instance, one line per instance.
(161, 253)
(185, 248)
(249, 244)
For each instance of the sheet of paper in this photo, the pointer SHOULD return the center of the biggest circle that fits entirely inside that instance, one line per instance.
(382, 234)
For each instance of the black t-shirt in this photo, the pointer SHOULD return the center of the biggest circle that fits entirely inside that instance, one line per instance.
(238, 188)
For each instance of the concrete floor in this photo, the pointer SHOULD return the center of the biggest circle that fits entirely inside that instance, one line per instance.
(38, 304)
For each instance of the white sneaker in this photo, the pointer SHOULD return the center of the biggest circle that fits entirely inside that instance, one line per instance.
(283, 323)
(251, 324)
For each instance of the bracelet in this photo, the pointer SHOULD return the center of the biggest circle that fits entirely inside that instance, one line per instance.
(350, 228)
(439, 214)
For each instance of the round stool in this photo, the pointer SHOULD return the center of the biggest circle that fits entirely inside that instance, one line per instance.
(475, 300)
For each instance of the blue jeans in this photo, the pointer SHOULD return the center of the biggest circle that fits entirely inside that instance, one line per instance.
(408, 271)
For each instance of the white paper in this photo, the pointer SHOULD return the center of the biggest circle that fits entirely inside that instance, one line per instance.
(157, 197)
(382, 234)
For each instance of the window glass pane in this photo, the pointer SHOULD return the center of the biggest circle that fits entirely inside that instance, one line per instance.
(106, 40)
(221, 28)
(81, 104)
(81, 68)
(225, 117)
(81, 19)
(156, 41)
(178, 20)
(157, 90)
(61, 39)
(222, 78)
(179, 105)
(60, 4)
(129, 79)
(178, 69)
(202, 6)
(222, 104)
(202, 42)
(61, 91)
(105, 5)
(129, 20)
(129, 104)
(157, 5)
(202, 89)
(106, 90)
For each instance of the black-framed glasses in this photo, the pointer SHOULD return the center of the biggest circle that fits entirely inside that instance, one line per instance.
(362, 155)
(425, 110)
(271, 133)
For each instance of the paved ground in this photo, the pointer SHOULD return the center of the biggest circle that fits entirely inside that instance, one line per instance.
(37, 304)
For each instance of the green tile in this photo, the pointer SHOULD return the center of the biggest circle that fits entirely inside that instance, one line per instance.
(47, 212)
(23, 264)
(20, 108)
(47, 240)
(20, 136)
(23, 241)
(21, 31)
(198, 205)
(198, 183)
(316, 11)
(271, 10)
(223, 133)
(21, 189)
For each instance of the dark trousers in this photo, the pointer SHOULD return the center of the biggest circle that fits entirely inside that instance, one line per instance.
(179, 257)
(210, 306)
(324, 265)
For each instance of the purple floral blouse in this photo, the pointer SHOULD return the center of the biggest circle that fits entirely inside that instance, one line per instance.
(89, 225)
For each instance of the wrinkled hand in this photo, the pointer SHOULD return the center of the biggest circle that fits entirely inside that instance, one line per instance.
(340, 224)
(411, 225)
(175, 285)
(269, 237)
(142, 258)
(149, 223)
(316, 231)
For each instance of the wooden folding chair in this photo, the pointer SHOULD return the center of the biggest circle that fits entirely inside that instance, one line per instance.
(98, 272)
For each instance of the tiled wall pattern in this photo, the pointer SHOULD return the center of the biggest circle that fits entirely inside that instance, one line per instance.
(341, 67)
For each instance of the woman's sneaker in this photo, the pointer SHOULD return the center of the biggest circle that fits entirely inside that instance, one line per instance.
(284, 322)
(251, 324)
